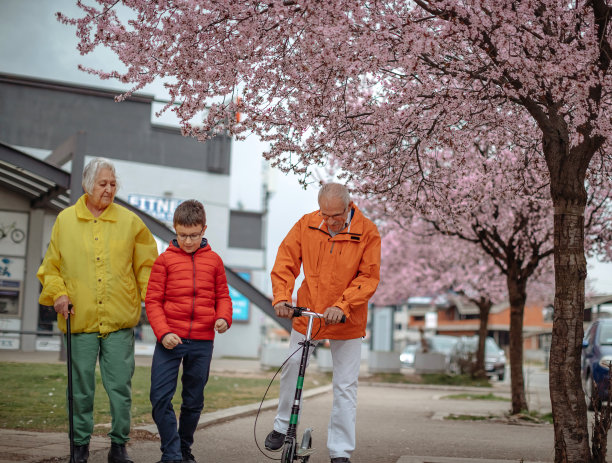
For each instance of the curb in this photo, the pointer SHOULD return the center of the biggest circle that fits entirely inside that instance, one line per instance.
(228, 414)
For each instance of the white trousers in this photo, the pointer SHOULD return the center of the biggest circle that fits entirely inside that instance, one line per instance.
(346, 358)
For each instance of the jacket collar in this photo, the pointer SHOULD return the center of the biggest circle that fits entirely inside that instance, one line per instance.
(174, 246)
(110, 213)
(355, 226)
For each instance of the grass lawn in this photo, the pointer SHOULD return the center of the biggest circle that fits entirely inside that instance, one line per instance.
(442, 379)
(488, 396)
(33, 395)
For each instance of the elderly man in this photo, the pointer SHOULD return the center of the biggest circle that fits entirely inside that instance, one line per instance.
(339, 249)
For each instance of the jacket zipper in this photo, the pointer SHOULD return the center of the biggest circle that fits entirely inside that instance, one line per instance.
(194, 296)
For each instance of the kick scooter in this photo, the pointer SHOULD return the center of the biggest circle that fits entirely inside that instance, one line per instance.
(291, 451)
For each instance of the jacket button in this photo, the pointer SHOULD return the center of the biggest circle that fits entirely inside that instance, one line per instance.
(97, 258)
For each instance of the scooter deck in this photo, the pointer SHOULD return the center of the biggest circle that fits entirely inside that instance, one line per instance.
(304, 452)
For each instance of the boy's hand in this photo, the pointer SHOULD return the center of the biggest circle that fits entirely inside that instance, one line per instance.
(221, 326)
(171, 340)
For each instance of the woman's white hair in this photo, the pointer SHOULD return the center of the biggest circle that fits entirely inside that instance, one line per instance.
(90, 172)
(335, 190)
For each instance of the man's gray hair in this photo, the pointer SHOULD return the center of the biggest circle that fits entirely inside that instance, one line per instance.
(90, 172)
(335, 190)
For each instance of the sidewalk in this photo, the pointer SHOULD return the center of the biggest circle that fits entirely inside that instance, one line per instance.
(396, 424)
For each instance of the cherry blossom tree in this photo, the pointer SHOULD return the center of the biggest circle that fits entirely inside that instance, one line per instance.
(382, 86)
(501, 211)
(418, 263)
(505, 216)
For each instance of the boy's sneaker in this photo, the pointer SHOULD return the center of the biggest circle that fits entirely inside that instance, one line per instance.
(275, 440)
(188, 457)
(340, 460)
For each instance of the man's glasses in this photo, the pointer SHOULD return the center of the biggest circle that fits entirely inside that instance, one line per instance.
(192, 237)
(333, 216)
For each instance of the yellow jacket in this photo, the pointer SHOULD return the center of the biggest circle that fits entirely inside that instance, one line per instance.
(102, 264)
(342, 271)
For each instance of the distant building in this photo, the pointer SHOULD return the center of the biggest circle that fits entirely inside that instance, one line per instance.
(456, 316)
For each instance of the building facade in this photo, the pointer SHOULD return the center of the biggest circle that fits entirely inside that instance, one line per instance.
(54, 129)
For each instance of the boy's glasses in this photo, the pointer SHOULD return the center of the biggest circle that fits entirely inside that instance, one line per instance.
(192, 237)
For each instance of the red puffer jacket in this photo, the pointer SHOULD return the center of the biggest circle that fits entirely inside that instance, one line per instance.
(187, 293)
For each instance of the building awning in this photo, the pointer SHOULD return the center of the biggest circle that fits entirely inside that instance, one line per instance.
(597, 300)
(46, 186)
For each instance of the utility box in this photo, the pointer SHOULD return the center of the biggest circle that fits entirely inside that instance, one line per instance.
(383, 362)
(429, 362)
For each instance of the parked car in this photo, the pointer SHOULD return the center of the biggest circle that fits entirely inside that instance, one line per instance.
(435, 343)
(463, 356)
(407, 355)
(595, 361)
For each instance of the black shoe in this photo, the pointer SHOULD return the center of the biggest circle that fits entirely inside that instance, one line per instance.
(188, 457)
(81, 453)
(340, 460)
(170, 461)
(275, 440)
(118, 454)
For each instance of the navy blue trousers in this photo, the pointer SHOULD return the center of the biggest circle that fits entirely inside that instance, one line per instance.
(195, 357)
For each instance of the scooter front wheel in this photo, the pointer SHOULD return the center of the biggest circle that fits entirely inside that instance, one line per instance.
(288, 455)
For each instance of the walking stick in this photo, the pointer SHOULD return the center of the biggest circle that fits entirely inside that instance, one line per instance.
(70, 409)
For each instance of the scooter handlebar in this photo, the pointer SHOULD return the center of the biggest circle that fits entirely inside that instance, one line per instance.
(306, 312)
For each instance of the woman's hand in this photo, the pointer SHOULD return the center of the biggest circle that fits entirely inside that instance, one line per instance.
(63, 305)
(171, 340)
(220, 326)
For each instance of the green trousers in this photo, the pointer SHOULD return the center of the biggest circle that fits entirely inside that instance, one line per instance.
(116, 354)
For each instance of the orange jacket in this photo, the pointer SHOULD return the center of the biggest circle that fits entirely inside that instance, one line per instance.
(342, 271)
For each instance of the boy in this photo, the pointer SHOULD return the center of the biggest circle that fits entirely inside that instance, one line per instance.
(187, 301)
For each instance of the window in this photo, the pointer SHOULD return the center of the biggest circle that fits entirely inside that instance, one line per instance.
(246, 230)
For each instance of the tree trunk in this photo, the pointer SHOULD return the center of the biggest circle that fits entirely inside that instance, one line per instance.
(484, 308)
(517, 295)
(566, 396)
(567, 185)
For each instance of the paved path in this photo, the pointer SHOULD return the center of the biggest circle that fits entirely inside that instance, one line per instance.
(395, 424)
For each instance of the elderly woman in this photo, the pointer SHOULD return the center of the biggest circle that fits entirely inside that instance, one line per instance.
(97, 268)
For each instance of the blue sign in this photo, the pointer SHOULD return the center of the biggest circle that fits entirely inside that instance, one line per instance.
(240, 302)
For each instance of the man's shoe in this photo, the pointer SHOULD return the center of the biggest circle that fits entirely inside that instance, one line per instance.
(170, 461)
(188, 457)
(275, 440)
(340, 460)
(81, 453)
(118, 454)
